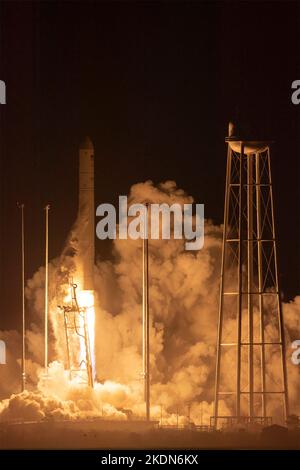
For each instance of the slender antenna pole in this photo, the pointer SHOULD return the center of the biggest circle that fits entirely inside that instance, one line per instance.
(146, 361)
(46, 285)
(23, 381)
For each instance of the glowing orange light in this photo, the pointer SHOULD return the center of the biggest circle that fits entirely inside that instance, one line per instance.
(86, 301)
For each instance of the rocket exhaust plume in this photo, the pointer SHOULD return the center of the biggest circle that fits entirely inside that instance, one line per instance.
(184, 301)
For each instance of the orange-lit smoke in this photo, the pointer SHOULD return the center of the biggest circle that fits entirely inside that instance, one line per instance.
(184, 290)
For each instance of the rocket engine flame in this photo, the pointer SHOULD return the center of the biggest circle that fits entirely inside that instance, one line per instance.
(86, 301)
(79, 326)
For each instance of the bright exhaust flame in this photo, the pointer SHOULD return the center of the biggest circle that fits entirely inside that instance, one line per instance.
(86, 300)
(80, 334)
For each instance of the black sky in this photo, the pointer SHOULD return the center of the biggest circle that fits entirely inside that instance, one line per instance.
(154, 85)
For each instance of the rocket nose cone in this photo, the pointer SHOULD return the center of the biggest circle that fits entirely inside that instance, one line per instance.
(86, 144)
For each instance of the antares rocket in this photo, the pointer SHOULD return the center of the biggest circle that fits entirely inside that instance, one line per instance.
(87, 212)
(79, 313)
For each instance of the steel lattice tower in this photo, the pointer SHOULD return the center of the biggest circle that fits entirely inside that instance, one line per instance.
(251, 376)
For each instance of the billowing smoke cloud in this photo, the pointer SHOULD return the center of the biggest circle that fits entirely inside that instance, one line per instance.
(57, 397)
(183, 309)
(184, 289)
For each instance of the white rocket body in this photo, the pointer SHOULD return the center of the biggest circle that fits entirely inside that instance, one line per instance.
(87, 213)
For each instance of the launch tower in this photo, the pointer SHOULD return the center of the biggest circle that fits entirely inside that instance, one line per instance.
(251, 376)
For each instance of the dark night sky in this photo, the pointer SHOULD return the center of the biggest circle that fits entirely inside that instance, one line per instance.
(154, 85)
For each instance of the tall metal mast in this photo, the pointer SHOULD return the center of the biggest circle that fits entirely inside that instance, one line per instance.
(23, 381)
(46, 284)
(146, 323)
